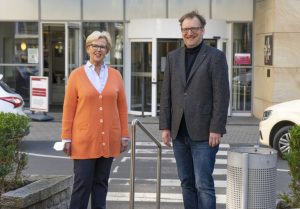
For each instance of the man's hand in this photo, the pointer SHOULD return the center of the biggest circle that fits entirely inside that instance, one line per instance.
(67, 148)
(166, 137)
(214, 139)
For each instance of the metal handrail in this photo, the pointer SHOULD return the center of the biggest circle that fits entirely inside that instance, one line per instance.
(134, 123)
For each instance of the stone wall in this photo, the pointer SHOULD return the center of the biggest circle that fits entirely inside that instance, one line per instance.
(278, 81)
(52, 192)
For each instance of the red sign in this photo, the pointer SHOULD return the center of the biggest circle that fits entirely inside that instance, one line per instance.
(39, 93)
(242, 59)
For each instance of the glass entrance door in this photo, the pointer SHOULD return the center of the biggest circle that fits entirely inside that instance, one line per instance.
(242, 69)
(54, 60)
(61, 50)
(141, 74)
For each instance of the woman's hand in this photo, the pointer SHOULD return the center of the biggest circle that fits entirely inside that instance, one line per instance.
(67, 148)
(124, 144)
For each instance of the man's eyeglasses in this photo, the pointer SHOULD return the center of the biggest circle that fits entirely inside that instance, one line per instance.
(192, 29)
(98, 47)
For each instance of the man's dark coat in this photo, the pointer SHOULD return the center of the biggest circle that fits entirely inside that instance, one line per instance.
(203, 97)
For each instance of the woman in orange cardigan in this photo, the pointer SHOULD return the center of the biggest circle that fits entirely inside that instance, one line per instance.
(94, 123)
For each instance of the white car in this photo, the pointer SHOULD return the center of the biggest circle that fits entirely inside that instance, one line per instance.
(9, 100)
(276, 121)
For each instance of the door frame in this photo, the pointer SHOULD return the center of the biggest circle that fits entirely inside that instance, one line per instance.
(153, 78)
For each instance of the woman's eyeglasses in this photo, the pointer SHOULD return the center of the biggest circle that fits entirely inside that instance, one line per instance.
(98, 47)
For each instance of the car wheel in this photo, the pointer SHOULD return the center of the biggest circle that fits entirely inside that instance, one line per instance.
(281, 141)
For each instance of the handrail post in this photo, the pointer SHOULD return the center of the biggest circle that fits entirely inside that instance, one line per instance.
(158, 174)
(132, 163)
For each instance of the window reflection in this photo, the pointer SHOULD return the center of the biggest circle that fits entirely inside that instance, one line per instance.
(242, 67)
(19, 49)
(17, 39)
(241, 89)
(141, 67)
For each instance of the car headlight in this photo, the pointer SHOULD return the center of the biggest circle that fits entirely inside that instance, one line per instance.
(266, 114)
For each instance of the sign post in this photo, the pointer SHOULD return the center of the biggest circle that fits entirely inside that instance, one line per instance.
(39, 97)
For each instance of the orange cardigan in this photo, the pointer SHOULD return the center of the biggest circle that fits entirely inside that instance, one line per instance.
(95, 122)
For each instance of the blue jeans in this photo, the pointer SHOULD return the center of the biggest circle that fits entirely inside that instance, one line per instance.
(195, 164)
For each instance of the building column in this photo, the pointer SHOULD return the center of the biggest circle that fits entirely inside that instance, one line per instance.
(277, 53)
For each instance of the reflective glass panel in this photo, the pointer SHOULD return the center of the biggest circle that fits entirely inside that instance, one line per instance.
(242, 44)
(73, 40)
(164, 46)
(141, 67)
(19, 42)
(241, 89)
(242, 67)
(54, 60)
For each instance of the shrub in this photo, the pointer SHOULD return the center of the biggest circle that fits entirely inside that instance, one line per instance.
(12, 130)
(292, 200)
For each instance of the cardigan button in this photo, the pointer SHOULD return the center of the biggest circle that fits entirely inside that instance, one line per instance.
(102, 132)
(101, 120)
(103, 144)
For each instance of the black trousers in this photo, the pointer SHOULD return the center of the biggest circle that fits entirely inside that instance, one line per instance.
(90, 178)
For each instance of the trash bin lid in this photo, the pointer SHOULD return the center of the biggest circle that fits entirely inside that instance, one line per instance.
(256, 157)
(254, 150)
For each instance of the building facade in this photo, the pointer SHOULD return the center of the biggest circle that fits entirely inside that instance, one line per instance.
(46, 38)
(276, 74)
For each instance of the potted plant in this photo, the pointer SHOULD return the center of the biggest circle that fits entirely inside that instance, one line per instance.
(292, 199)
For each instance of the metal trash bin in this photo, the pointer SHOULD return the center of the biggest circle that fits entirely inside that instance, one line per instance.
(251, 178)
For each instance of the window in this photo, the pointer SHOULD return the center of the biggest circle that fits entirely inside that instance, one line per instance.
(242, 67)
(17, 41)
(19, 55)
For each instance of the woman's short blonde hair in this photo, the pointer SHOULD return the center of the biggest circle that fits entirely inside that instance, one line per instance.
(94, 36)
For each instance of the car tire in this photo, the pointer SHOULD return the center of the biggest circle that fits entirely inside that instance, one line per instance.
(281, 141)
